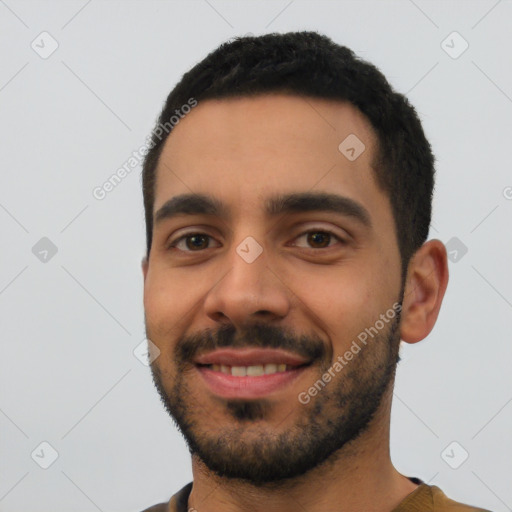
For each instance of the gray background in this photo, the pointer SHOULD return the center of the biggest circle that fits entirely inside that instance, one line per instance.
(70, 323)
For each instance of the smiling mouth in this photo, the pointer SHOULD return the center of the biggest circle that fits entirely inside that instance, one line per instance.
(256, 370)
(254, 381)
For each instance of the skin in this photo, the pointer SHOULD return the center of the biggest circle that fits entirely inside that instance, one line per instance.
(241, 151)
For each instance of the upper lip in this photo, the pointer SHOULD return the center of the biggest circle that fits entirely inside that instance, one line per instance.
(250, 357)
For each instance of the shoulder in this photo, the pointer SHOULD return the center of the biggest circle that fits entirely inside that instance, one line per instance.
(430, 498)
(177, 503)
(442, 503)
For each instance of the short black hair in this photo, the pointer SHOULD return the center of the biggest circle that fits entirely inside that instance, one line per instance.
(310, 64)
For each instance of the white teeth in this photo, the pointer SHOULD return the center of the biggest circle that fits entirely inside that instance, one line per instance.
(250, 371)
(270, 368)
(239, 371)
(255, 371)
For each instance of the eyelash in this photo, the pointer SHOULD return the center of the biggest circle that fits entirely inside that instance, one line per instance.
(173, 244)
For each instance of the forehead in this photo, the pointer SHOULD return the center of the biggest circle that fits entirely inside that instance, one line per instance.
(242, 150)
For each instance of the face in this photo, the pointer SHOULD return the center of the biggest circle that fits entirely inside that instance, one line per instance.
(274, 256)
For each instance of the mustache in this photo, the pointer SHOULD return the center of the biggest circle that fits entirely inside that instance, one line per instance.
(259, 335)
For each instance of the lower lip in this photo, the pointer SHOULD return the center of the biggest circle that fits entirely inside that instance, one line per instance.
(229, 386)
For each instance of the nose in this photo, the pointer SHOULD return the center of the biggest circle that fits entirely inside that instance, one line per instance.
(248, 292)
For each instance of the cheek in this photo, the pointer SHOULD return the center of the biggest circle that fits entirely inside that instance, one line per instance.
(345, 300)
(172, 300)
(342, 296)
(163, 308)
(156, 297)
(167, 292)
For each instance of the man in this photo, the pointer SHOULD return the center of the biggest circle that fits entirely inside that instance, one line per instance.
(287, 208)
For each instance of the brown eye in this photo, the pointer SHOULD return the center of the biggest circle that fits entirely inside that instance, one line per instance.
(192, 242)
(197, 241)
(318, 239)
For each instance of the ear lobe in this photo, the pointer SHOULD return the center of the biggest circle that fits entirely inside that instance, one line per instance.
(427, 279)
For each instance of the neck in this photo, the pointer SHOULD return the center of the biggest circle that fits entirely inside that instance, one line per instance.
(359, 477)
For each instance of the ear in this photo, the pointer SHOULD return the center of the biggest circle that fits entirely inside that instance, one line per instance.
(427, 279)
(144, 264)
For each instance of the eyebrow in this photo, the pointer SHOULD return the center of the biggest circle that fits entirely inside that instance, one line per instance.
(201, 204)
